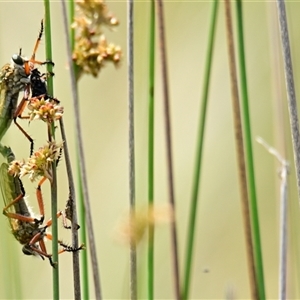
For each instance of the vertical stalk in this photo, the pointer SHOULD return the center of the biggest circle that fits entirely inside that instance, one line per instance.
(290, 86)
(92, 246)
(83, 236)
(133, 267)
(283, 232)
(72, 199)
(198, 161)
(151, 150)
(240, 154)
(249, 155)
(163, 53)
(55, 271)
(283, 218)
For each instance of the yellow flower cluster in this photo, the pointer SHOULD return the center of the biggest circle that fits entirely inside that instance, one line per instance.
(47, 110)
(39, 163)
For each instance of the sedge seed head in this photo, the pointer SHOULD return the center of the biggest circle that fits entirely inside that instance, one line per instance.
(39, 163)
(91, 50)
(46, 110)
(134, 226)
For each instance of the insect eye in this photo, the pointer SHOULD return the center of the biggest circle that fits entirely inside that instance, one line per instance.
(27, 250)
(18, 59)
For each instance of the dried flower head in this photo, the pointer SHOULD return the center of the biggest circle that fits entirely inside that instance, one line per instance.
(47, 110)
(133, 228)
(91, 50)
(39, 163)
(97, 12)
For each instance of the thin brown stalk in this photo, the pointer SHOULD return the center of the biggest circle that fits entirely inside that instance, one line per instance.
(91, 235)
(163, 53)
(240, 152)
(72, 199)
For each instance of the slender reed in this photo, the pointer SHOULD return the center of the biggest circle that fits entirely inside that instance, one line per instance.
(240, 152)
(289, 80)
(198, 161)
(161, 26)
(151, 150)
(83, 237)
(55, 271)
(249, 155)
(91, 235)
(72, 203)
(281, 135)
(133, 268)
(283, 218)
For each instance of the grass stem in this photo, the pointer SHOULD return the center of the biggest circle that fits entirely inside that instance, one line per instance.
(83, 236)
(283, 218)
(162, 39)
(198, 161)
(240, 153)
(249, 155)
(290, 86)
(55, 271)
(72, 199)
(92, 246)
(133, 256)
(151, 149)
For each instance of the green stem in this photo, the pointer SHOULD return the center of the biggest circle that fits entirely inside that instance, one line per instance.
(72, 35)
(83, 237)
(200, 142)
(249, 155)
(71, 18)
(48, 45)
(151, 151)
(81, 160)
(55, 271)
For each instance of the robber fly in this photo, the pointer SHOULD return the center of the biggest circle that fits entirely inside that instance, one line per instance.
(15, 77)
(27, 229)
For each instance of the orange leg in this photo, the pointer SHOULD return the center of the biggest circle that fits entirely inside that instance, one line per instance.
(37, 43)
(26, 134)
(40, 200)
(18, 114)
(29, 66)
(39, 238)
(64, 219)
(19, 216)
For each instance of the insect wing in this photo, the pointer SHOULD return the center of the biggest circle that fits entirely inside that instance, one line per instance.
(7, 192)
(5, 183)
(11, 188)
(9, 91)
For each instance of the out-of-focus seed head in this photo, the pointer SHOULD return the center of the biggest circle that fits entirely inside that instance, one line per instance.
(46, 110)
(91, 50)
(134, 227)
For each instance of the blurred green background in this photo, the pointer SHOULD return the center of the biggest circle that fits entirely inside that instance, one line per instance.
(220, 259)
